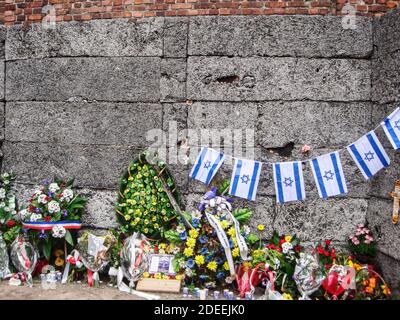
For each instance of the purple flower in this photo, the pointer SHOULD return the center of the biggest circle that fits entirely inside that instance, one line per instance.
(202, 207)
(64, 212)
(45, 182)
(183, 235)
(203, 239)
(220, 275)
(50, 194)
(42, 235)
(203, 277)
(211, 194)
(38, 210)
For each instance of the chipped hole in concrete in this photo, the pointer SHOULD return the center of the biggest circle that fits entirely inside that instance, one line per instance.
(228, 79)
(285, 151)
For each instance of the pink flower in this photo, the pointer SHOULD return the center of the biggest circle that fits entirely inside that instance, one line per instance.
(367, 241)
(355, 241)
(305, 149)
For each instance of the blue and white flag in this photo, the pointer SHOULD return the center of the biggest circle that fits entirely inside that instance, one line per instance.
(369, 155)
(391, 126)
(328, 175)
(207, 164)
(289, 181)
(245, 177)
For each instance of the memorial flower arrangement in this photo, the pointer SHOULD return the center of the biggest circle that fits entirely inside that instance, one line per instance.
(54, 209)
(362, 243)
(203, 259)
(9, 222)
(143, 204)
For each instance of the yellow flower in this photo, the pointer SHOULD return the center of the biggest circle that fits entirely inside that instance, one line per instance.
(145, 230)
(188, 252)
(154, 218)
(127, 217)
(193, 233)
(260, 227)
(178, 277)
(235, 252)
(231, 232)
(59, 262)
(190, 242)
(146, 275)
(156, 225)
(165, 277)
(234, 241)
(287, 296)
(58, 253)
(146, 221)
(162, 246)
(288, 238)
(224, 224)
(350, 263)
(199, 260)
(157, 275)
(212, 266)
(225, 265)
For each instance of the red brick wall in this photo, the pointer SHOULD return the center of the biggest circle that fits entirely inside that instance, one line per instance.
(30, 11)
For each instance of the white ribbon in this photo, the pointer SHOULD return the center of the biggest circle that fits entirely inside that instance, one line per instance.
(221, 204)
(223, 239)
(129, 289)
(74, 254)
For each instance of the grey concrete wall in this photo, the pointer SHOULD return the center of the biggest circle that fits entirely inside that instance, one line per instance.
(79, 100)
(385, 97)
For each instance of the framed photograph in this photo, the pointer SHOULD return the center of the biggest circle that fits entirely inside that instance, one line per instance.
(161, 263)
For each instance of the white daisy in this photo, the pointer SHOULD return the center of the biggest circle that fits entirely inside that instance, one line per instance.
(53, 187)
(58, 231)
(42, 199)
(53, 206)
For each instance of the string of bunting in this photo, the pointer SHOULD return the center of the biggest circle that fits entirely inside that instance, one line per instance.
(367, 153)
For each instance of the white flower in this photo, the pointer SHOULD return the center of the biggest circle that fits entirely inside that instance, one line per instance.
(14, 212)
(7, 209)
(277, 263)
(35, 217)
(53, 206)
(182, 263)
(188, 272)
(229, 280)
(5, 175)
(42, 199)
(2, 204)
(286, 247)
(175, 250)
(246, 229)
(67, 195)
(53, 187)
(6, 182)
(37, 192)
(196, 215)
(161, 251)
(23, 213)
(180, 229)
(2, 193)
(58, 231)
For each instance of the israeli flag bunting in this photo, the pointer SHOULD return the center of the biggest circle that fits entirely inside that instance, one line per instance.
(328, 175)
(207, 164)
(289, 181)
(391, 126)
(369, 155)
(245, 177)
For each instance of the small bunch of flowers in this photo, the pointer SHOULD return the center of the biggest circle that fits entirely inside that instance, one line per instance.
(54, 201)
(362, 242)
(370, 285)
(143, 205)
(202, 258)
(9, 221)
(327, 254)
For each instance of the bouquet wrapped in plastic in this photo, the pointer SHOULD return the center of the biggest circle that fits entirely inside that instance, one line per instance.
(4, 260)
(24, 258)
(94, 253)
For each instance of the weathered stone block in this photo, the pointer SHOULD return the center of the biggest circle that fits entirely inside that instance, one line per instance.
(386, 31)
(316, 220)
(99, 209)
(175, 37)
(92, 166)
(380, 222)
(175, 113)
(319, 124)
(386, 78)
(256, 79)
(82, 122)
(1, 121)
(173, 80)
(107, 79)
(390, 269)
(110, 38)
(298, 36)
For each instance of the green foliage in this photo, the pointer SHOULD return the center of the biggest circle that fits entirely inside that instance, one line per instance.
(242, 215)
(224, 187)
(143, 204)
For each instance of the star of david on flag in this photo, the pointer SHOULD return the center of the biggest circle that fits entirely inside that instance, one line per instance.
(328, 175)
(207, 164)
(369, 155)
(391, 126)
(245, 177)
(289, 181)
